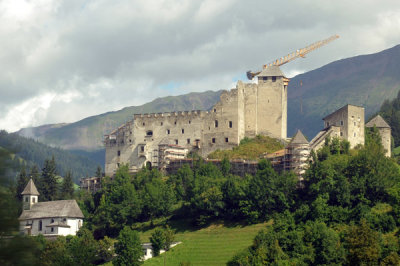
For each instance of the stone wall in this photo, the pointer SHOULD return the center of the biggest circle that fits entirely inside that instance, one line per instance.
(247, 110)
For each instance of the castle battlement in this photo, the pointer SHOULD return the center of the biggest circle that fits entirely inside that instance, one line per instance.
(170, 114)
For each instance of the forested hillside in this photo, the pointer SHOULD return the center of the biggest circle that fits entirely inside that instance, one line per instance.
(346, 211)
(33, 152)
(365, 80)
(87, 134)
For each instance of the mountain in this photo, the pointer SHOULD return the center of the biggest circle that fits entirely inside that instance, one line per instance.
(28, 152)
(365, 80)
(87, 134)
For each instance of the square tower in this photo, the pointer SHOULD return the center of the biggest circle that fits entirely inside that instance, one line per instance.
(350, 120)
(266, 105)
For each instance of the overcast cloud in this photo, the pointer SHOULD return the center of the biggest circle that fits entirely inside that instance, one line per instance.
(62, 61)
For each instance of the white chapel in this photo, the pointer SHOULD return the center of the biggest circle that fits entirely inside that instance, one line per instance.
(59, 217)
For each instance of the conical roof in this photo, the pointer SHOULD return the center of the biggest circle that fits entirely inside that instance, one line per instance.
(271, 71)
(30, 189)
(299, 138)
(377, 121)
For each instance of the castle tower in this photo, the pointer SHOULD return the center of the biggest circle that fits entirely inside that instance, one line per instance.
(385, 132)
(30, 195)
(271, 103)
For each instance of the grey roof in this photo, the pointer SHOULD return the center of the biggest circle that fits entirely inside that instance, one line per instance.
(299, 138)
(271, 71)
(341, 109)
(50, 209)
(30, 189)
(377, 121)
(58, 224)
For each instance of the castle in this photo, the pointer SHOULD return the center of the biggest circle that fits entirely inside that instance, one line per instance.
(246, 111)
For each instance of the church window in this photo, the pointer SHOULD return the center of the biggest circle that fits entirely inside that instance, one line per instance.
(216, 123)
(119, 153)
(230, 124)
(273, 79)
(213, 140)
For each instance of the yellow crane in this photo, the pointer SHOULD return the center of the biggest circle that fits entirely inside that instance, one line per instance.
(298, 53)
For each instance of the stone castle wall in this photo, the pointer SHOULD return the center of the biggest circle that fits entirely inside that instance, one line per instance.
(247, 110)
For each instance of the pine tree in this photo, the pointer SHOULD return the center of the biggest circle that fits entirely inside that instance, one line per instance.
(21, 183)
(67, 187)
(49, 181)
(35, 175)
(99, 171)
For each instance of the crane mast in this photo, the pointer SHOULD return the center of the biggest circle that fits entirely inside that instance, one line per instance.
(290, 57)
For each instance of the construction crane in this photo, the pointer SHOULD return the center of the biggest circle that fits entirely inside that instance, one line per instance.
(290, 57)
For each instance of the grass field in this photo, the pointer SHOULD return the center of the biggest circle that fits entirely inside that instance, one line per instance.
(213, 245)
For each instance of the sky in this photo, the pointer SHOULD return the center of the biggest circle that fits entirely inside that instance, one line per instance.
(62, 61)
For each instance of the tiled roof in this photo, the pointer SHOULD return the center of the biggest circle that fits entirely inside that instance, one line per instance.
(271, 71)
(30, 189)
(377, 121)
(299, 138)
(50, 209)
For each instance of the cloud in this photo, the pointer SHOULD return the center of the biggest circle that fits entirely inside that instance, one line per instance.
(62, 61)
